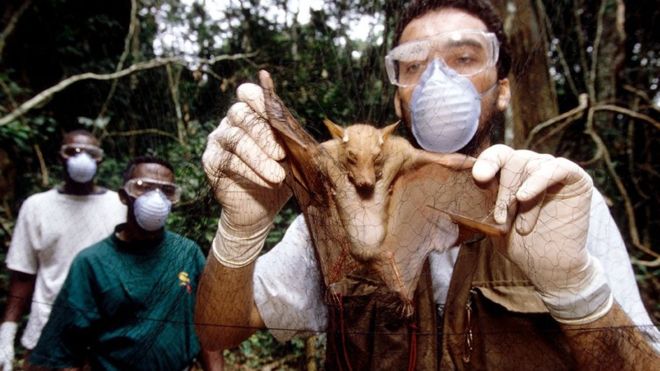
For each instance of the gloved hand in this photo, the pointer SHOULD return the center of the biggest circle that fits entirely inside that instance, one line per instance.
(548, 240)
(7, 336)
(241, 165)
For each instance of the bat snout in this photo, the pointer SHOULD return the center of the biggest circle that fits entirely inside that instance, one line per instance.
(365, 192)
(364, 184)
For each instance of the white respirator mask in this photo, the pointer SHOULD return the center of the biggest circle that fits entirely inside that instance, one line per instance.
(151, 210)
(81, 167)
(445, 109)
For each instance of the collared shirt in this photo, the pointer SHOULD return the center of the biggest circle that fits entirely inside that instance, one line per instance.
(126, 306)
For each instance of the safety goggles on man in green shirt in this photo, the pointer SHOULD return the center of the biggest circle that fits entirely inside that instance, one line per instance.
(136, 187)
(467, 52)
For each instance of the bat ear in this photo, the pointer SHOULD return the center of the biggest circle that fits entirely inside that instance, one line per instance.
(335, 130)
(389, 129)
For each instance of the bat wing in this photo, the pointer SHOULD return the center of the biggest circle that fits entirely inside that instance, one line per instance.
(423, 203)
(310, 167)
(303, 151)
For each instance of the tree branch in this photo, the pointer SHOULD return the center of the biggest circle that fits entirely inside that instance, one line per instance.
(154, 63)
(630, 153)
(10, 96)
(122, 58)
(568, 116)
(173, 78)
(131, 133)
(595, 49)
(595, 158)
(630, 211)
(642, 94)
(9, 28)
(625, 111)
(210, 72)
(560, 53)
(37, 150)
(577, 12)
(647, 263)
(42, 165)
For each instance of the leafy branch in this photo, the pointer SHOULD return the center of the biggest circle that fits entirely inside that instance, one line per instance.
(62, 85)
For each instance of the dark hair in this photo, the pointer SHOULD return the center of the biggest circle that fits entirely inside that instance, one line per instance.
(481, 9)
(128, 171)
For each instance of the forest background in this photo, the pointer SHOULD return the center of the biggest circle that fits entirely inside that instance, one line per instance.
(156, 76)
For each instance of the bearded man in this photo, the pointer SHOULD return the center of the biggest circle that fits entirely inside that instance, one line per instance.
(560, 293)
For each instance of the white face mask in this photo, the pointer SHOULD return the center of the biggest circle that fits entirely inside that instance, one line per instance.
(445, 109)
(81, 167)
(151, 210)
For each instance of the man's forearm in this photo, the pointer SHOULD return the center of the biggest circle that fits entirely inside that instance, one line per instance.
(21, 287)
(612, 340)
(225, 313)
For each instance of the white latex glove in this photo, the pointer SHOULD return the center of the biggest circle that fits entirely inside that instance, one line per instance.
(241, 165)
(547, 242)
(7, 336)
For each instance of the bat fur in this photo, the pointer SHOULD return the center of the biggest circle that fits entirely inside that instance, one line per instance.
(372, 159)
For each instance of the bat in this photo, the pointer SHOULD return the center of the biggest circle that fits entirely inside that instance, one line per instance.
(370, 199)
(372, 159)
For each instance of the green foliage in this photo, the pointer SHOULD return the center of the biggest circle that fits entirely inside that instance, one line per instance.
(24, 132)
(196, 215)
(261, 351)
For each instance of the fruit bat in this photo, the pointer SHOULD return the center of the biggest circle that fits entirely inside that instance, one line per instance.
(371, 199)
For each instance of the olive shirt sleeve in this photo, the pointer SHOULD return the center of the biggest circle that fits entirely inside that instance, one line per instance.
(68, 333)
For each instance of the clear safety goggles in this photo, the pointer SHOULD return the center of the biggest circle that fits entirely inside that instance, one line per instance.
(70, 150)
(467, 52)
(136, 187)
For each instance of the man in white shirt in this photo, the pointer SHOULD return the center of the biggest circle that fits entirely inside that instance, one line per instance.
(52, 227)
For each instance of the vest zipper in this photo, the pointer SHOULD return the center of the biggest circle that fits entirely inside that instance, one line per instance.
(469, 344)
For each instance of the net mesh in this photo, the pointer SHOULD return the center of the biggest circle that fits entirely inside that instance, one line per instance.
(584, 82)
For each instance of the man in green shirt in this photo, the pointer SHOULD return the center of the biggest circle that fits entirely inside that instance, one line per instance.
(128, 301)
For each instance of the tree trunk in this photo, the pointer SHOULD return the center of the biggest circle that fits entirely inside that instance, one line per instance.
(609, 54)
(533, 95)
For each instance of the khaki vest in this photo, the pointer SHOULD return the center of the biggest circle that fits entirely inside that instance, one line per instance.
(492, 320)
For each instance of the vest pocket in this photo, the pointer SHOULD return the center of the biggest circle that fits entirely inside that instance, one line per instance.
(365, 328)
(508, 327)
(519, 299)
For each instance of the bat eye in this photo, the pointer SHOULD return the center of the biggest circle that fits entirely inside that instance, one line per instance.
(379, 174)
(351, 158)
